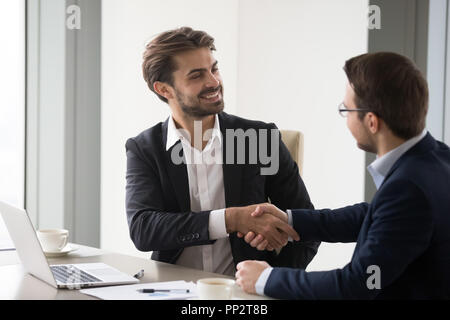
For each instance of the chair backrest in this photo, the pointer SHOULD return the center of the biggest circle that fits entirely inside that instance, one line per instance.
(294, 142)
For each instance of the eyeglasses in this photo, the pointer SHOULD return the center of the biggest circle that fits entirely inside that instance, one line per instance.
(342, 109)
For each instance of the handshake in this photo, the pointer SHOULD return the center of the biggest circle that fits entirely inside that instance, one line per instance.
(263, 226)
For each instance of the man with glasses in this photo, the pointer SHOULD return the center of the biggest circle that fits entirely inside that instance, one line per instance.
(402, 236)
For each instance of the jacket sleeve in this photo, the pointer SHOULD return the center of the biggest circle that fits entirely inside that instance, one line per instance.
(339, 225)
(400, 231)
(287, 190)
(151, 227)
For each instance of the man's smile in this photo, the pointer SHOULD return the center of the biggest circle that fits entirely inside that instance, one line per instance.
(212, 96)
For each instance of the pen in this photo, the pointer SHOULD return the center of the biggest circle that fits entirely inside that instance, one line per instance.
(163, 290)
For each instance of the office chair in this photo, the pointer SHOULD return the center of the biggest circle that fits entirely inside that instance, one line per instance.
(294, 142)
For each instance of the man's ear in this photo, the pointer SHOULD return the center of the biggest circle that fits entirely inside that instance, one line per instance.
(372, 122)
(163, 89)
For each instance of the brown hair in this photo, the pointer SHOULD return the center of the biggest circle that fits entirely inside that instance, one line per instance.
(390, 86)
(158, 64)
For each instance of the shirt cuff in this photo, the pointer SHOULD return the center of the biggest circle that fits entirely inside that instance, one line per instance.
(290, 222)
(289, 213)
(261, 282)
(217, 228)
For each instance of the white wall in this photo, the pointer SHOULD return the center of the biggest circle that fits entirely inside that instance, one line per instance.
(281, 62)
(128, 106)
(291, 55)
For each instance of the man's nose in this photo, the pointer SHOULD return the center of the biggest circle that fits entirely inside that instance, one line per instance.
(212, 80)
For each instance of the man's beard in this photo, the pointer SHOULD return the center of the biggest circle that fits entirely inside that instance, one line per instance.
(368, 145)
(193, 107)
(367, 148)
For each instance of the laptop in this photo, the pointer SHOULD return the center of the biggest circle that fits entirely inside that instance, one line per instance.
(70, 276)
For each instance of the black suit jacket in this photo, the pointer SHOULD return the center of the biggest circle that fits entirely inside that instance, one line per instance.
(158, 200)
(405, 231)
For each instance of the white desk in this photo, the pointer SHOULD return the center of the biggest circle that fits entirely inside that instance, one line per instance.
(17, 284)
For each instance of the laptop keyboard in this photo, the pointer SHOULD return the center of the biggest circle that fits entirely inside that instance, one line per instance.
(71, 274)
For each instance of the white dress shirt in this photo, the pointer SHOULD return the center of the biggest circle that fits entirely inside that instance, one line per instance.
(377, 169)
(207, 192)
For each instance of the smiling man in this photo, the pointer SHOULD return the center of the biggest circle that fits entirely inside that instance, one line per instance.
(184, 201)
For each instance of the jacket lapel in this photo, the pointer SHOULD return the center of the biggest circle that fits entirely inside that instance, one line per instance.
(177, 173)
(232, 173)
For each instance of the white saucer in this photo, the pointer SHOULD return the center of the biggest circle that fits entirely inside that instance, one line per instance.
(67, 249)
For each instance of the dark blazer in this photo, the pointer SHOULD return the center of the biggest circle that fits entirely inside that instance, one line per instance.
(405, 231)
(158, 200)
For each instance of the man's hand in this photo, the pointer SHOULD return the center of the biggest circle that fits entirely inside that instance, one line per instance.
(270, 208)
(273, 227)
(248, 273)
(258, 241)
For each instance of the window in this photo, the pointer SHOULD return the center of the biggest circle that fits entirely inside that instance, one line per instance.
(12, 107)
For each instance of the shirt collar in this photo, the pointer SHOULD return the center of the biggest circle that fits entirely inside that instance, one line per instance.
(174, 134)
(381, 166)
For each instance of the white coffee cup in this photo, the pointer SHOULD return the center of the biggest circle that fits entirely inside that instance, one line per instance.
(53, 240)
(215, 288)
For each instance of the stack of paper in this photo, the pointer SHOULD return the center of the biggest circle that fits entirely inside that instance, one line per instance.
(131, 292)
